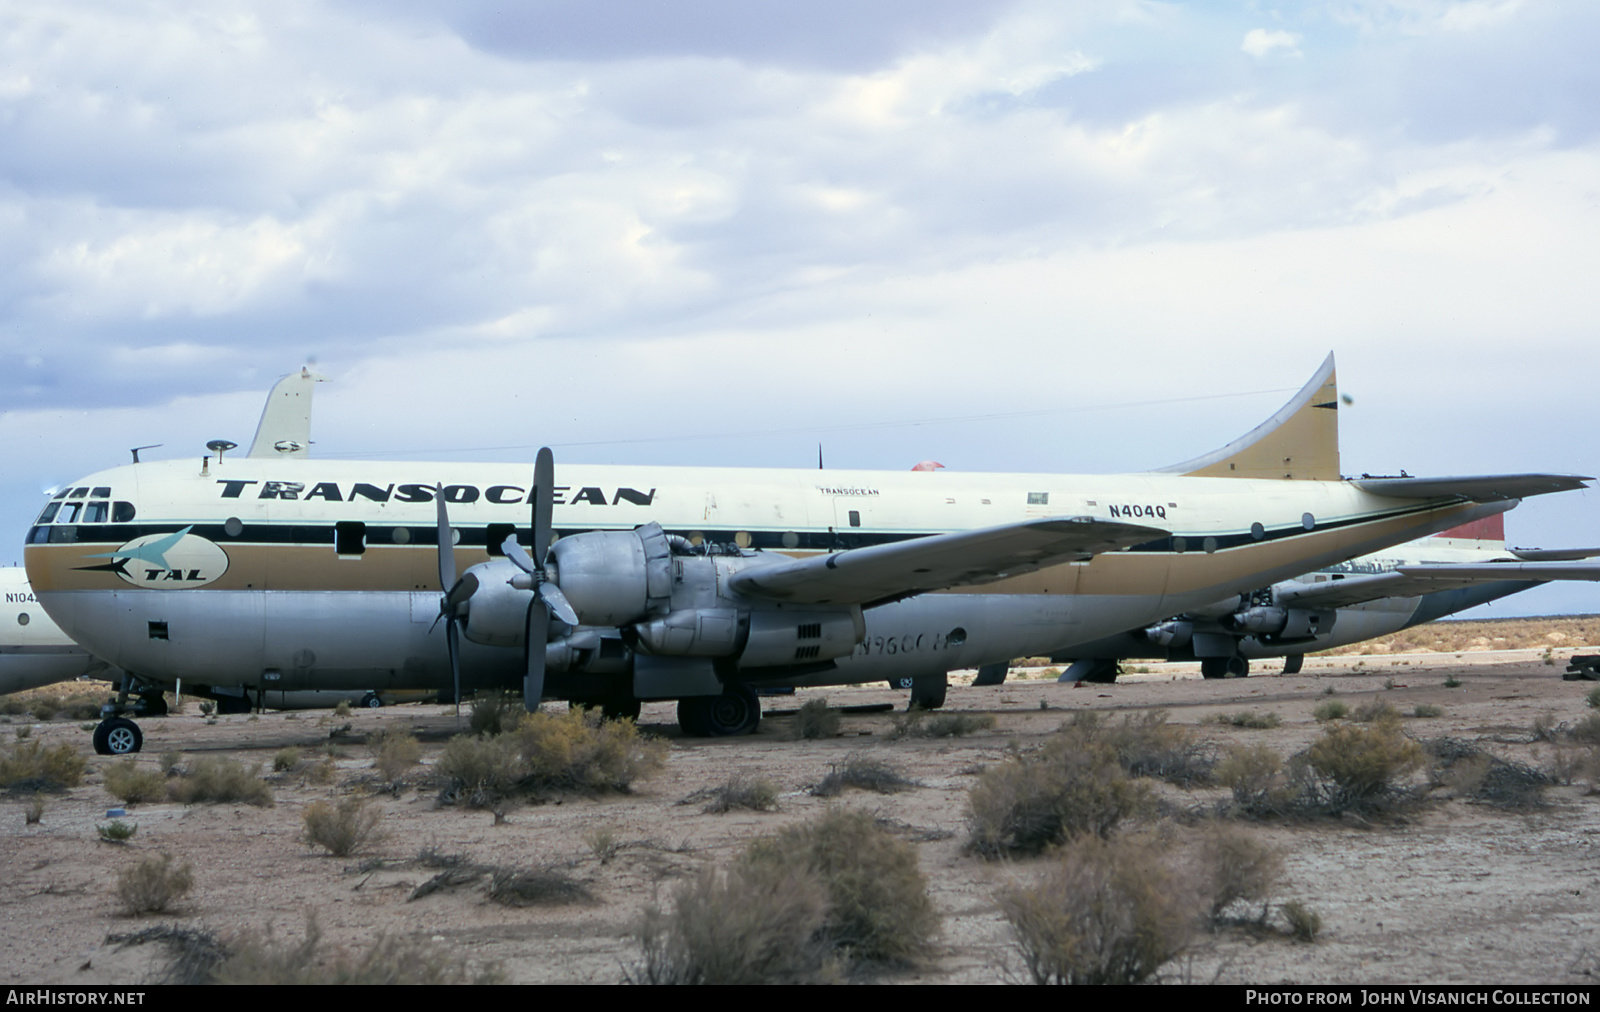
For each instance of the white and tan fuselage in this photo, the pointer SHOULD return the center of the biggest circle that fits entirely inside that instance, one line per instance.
(323, 573)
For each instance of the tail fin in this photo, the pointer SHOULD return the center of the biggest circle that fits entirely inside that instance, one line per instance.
(1300, 442)
(285, 426)
(1489, 532)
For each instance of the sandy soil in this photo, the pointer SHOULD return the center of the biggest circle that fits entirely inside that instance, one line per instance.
(1458, 892)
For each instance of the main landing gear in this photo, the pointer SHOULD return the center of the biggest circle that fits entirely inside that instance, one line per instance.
(116, 734)
(736, 711)
(1224, 667)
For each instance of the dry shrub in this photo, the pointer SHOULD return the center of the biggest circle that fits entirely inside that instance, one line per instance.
(815, 720)
(1333, 709)
(29, 765)
(750, 924)
(252, 959)
(33, 811)
(153, 885)
(1360, 766)
(742, 790)
(539, 887)
(1256, 776)
(1145, 746)
(1586, 731)
(878, 907)
(494, 712)
(193, 954)
(1103, 912)
(117, 831)
(342, 829)
(1593, 698)
(1374, 711)
(1471, 773)
(865, 772)
(1305, 924)
(394, 751)
(919, 723)
(285, 759)
(131, 783)
(1236, 869)
(1068, 789)
(215, 779)
(1253, 719)
(1427, 710)
(573, 752)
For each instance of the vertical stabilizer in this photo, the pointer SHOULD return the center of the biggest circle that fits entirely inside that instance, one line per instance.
(285, 427)
(1487, 532)
(1300, 441)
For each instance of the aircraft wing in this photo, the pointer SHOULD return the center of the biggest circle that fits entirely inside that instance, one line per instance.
(1411, 581)
(1554, 554)
(1473, 488)
(882, 573)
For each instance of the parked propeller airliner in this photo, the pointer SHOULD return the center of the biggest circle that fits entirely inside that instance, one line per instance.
(1347, 602)
(691, 584)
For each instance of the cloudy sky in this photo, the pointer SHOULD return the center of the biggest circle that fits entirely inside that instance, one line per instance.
(1092, 236)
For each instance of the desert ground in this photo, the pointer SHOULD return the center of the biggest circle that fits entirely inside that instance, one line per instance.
(1450, 891)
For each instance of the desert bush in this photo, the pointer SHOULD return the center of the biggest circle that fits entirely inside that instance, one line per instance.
(1593, 698)
(170, 760)
(1586, 731)
(1256, 720)
(285, 759)
(1360, 766)
(1473, 774)
(878, 907)
(1545, 727)
(750, 924)
(815, 720)
(1373, 711)
(252, 959)
(1333, 709)
(215, 779)
(494, 712)
(12, 706)
(1145, 746)
(919, 723)
(80, 708)
(863, 771)
(603, 842)
(537, 887)
(131, 783)
(1427, 710)
(24, 731)
(1258, 780)
(340, 709)
(153, 885)
(33, 811)
(341, 829)
(1305, 924)
(1069, 788)
(117, 831)
(394, 751)
(193, 954)
(45, 707)
(29, 765)
(742, 790)
(1234, 868)
(1452, 682)
(1102, 912)
(572, 752)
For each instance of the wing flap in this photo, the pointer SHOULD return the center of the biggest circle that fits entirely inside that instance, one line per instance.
(888, 572)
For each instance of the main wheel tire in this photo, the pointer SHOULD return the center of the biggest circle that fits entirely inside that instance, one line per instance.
(1214, 667)
(1104, 672)
(1293, 663)
(117, 736)
(371, 701)
(737, 711)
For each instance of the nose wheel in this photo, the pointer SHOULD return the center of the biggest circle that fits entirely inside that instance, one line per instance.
(117, 736)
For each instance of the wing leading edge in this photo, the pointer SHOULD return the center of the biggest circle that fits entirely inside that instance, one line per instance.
(888, 572)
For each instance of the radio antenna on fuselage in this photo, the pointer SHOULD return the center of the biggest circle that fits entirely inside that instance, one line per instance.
(136, 449)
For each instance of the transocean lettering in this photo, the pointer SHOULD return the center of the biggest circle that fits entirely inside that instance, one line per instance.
(500, 495)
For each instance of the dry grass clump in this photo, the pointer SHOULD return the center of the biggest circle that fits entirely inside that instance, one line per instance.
(1426, 710)
(742, 790)
(1373, 711)
(1351, 768)
(1253, 719)
(794, 908)
(285, 759)
(31, 766)
(153, 885)
(919, 723)
(341, 829)
(1102, 912)
(1333, 709)
(1586, 731)
(814, 720)
(131, 783)
(50, 707)
(1305, 924)
(573, 752)
(394, 751)
(1235, 870)
(1071, 787)
(749, 924)
(538, 887)
(865, 772)
(215, 779)
(252, 959)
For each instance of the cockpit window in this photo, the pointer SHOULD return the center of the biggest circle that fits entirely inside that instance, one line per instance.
(95, 513)
(122, 512)
(102, 492)
(77, 493)
(69, 513)
(49, 513)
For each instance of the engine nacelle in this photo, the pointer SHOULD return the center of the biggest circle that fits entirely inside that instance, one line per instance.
(1171, 633)
(615, 578)
(1283, 624)
(497, 613)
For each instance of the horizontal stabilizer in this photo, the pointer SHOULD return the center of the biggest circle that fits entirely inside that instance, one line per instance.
(1473, 488)
(888, 572)
(1554, 554)
(1413, 581)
